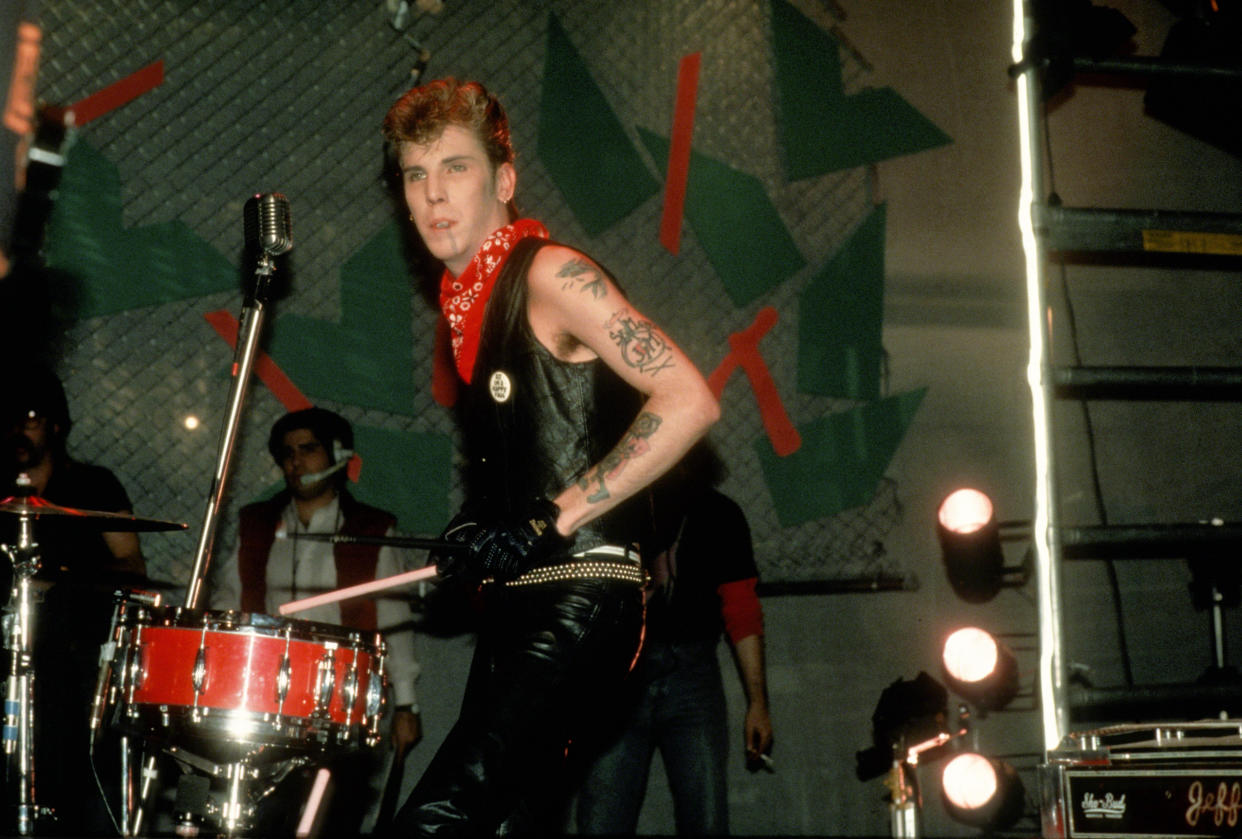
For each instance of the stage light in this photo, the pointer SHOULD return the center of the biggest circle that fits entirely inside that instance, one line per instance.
(979, 668)
(981, 792)
(970, 545)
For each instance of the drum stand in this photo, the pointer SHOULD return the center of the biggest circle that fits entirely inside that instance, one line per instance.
(19, 747)
(232, 811)
(246, 785)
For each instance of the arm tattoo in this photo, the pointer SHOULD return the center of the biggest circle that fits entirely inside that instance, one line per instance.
(634, 443)
(642, 345)
(580, 274)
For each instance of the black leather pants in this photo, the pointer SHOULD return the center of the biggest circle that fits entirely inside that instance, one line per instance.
(549, 658)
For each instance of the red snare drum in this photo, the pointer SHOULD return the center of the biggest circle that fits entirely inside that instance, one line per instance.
(233, 681)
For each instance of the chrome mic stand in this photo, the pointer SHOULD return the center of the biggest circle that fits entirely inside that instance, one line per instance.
(267, 229)
(273, 239)
(19, 694)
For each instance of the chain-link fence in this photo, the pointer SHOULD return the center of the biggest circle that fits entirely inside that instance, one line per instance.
(288, 96)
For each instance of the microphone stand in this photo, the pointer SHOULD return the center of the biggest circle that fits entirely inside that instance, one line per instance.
(243, 363)
(252, 316)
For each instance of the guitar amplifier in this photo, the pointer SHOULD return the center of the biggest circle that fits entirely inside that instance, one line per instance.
(1170, 780)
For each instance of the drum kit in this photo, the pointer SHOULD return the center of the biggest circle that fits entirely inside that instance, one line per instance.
(237, 698)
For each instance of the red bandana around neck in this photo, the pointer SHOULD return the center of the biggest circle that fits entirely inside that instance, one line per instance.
(463, 299)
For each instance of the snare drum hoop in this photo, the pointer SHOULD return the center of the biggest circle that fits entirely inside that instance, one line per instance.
(170, 686)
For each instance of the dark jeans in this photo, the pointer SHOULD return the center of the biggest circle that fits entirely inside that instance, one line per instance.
(548, 658)
(680, 710)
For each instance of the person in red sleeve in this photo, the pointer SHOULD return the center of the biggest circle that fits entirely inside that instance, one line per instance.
(703, 584)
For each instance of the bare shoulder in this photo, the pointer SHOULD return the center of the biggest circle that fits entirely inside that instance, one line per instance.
(571, 301)
(560, 271)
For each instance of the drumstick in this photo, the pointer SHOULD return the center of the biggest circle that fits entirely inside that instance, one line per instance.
(307, 822)
(358, 590)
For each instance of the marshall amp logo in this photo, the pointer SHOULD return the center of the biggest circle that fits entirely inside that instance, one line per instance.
(1154, 802)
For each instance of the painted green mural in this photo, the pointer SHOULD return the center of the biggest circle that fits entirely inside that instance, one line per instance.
(583, 144)
(840, 349)
(118, 268)
(365, 358)
(822, 128)
(744, 237)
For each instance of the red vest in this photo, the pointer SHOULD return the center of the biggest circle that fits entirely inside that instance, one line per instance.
(354, 563)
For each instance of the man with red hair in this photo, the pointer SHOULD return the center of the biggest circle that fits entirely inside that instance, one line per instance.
(572, 403)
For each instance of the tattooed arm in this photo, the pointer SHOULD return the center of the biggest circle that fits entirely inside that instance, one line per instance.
(579, 314)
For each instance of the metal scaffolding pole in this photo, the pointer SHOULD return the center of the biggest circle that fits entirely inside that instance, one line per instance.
(1052, 670)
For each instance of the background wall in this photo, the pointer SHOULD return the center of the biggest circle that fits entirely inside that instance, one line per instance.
(288, 97)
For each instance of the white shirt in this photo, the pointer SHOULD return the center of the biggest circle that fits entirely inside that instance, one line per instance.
(298, 568)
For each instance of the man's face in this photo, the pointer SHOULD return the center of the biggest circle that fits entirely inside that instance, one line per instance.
(301, 454)
(29, 436)
(455, 197)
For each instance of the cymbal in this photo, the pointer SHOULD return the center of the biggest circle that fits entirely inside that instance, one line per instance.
(32, 506)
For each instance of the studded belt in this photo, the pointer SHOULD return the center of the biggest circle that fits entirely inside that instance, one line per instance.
(607, 562)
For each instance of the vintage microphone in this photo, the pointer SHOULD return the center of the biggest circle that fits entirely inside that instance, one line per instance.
(267, 225)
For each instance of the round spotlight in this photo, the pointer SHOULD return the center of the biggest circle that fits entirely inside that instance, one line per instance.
(981, 792)
(965, 511)
(980, 668)
(969, 781)
(970, 654)
(970, 545)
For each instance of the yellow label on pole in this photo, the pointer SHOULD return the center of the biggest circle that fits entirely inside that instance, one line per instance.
(1187, 241)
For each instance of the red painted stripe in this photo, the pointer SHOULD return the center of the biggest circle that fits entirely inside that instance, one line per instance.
(119, 93)
(744, 353)
(679, 152)
(264, 367)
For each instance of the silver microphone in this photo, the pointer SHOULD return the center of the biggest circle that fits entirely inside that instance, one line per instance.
(267, 224)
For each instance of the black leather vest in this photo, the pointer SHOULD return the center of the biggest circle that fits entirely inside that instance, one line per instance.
(532, 425)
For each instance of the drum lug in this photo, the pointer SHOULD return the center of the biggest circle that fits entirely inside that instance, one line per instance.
(375, 692)
(283, 679)
(327, 680)
(198, 676)
(137, 673)
(350, 689)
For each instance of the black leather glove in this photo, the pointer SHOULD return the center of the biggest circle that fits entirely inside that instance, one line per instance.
(461, 529)
(504, 550)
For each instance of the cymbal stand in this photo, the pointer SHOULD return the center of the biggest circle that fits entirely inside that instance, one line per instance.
(19, 746)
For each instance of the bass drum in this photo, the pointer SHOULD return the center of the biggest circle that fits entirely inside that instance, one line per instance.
(236, 685)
